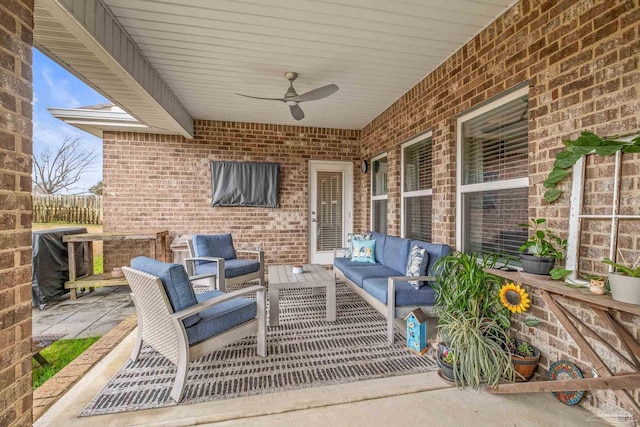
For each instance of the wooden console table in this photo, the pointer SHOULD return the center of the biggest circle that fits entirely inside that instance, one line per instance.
(620, 382)
(91, 280)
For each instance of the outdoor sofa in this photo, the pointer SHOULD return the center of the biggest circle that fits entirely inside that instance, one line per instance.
(384, 284)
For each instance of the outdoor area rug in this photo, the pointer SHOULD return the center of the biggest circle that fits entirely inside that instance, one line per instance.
(304, 351)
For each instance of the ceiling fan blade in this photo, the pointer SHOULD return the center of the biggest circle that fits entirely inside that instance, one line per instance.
(296, 112)
(257, 97)
(312, 95)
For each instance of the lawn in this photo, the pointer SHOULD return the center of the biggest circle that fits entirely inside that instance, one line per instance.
(59, 354)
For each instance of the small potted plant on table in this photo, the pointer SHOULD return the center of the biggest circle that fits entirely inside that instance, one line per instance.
(625, 280)
(542, 248)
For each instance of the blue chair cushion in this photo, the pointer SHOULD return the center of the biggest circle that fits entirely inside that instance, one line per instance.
(232, 267)
(220, 317)
(214, 245)
(380, 241)
(405, 293)
(396, 252)
(358, 275)
(175, 281)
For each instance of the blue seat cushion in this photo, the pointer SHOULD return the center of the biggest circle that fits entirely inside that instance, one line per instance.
(220, 317)
(396, 252)
(214, 245)
(380, 241)
(358, 275)
(232, 267)
(405, 293)
(175, 282)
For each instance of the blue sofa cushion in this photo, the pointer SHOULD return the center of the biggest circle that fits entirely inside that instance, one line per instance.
(380, 241)
(346, 266)
(175, 281)
(232, 267)
(435, 251)
(405, 293)
(220, 317)
(396, 252)
(363, 251)
(358, 275)
(214, 245)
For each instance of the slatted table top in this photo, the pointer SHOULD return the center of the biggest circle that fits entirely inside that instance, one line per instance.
(313, 275)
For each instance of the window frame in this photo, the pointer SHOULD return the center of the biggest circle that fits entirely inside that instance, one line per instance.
(380, 197)
(462, 189)
(417, 193)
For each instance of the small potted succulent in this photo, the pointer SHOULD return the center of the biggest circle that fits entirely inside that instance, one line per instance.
(446, 360)
(625, 280)
(540, 251)
(525, 358)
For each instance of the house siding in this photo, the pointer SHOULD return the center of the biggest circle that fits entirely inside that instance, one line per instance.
(16, 26)
(580, 62)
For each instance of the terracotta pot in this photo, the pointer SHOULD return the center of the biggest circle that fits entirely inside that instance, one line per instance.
(525, 366)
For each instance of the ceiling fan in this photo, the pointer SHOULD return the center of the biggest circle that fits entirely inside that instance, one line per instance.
(292, 99)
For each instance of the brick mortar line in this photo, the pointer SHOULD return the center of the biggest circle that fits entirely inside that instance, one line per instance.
(44, 397)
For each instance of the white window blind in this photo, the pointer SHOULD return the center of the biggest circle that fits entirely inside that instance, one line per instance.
(379, 192)
(417, 188)
(493, 179)
(329, 205)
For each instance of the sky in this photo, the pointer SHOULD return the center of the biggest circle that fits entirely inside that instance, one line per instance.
(53, 86)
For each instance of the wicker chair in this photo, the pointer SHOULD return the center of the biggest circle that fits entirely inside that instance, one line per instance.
(184, 326)
(215, 254)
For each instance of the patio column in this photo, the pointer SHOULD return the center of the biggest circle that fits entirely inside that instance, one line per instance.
(16, 96)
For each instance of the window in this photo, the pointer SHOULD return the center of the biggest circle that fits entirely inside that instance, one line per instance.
(492, 176)
(416, 188)
(379, 194)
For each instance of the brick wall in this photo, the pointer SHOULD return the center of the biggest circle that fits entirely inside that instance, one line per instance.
(16, 25)
(580, 59)
(159, 181)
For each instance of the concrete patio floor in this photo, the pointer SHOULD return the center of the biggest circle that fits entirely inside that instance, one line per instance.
(398, 401)
(92, 314)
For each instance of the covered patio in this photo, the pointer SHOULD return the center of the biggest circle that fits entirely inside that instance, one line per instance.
(444, 128)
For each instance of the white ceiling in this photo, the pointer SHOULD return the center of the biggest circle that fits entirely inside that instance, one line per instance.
(374, 50)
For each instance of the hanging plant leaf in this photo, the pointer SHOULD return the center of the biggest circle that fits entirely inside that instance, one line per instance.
(531, 321)
(607, 150)
(556, 176)
(581, 150)
(631, 149)
(552, 195)
(559, 273)
(587, 138)
(565, 159)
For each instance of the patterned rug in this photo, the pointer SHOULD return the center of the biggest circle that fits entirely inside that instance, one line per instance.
(304, 351)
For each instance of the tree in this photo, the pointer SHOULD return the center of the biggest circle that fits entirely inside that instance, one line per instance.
(59, 169)
(97, 188)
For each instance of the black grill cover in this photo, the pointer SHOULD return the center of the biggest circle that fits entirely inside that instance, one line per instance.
(51, 265)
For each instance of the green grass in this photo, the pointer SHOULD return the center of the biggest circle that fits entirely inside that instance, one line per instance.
(59, 354)
(98, 264)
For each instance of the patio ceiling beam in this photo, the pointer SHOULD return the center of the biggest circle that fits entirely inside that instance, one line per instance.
(85, 38)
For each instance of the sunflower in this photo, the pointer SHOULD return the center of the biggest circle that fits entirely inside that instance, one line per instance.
(514, 298)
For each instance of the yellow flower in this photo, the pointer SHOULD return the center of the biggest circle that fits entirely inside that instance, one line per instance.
(514, 298)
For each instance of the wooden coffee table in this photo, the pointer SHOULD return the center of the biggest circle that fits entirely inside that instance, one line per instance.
(314, 277)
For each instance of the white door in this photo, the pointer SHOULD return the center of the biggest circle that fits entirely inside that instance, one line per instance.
(330, 208)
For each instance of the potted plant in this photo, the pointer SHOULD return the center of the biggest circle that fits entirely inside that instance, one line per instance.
(446, 360)
(524, 356)
(625, 280)
(472, 322)
(540, 251)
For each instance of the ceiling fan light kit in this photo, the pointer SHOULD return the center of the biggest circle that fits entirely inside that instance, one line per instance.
(292, 99)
